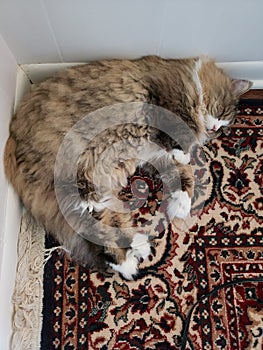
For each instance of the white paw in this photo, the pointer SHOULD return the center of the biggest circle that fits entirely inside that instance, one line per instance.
(179, 205)
(140, 248)
(181, 157)
(129, 267)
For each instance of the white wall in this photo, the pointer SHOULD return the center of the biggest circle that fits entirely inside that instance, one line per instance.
(9, 225)
(8, 71)
(39, 31)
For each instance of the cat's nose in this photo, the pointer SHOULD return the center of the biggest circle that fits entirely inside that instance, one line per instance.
(215, 128)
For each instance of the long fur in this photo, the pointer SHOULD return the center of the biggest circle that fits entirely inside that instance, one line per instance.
(191, 89)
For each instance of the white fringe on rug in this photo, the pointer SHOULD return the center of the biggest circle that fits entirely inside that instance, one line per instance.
(28, 291)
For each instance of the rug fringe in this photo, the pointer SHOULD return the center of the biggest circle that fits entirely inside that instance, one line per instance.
(28, 291)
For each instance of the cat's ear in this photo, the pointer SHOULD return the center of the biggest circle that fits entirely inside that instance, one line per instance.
(240, 86)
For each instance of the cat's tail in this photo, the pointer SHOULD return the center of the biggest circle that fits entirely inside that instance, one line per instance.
(10, 164)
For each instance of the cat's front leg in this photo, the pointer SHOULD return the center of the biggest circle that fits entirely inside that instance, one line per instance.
(177, 174)
(179, 204)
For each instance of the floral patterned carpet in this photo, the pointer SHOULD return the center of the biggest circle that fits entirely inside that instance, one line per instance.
(224, 242)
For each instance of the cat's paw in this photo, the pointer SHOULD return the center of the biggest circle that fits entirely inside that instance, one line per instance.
(179, 205)
(128, 268)
(140, 246)
(180, 156)
(140, 250)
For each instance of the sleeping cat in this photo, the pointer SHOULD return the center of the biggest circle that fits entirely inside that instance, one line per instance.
(70, 183)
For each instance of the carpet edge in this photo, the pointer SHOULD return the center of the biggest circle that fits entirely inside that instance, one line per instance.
(27, 296)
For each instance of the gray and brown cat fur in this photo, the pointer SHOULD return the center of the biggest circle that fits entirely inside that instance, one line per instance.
(57, 104)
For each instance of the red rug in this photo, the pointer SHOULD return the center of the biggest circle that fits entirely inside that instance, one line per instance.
(84, 310)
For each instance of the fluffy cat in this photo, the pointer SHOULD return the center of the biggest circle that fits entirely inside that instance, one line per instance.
(200, 96)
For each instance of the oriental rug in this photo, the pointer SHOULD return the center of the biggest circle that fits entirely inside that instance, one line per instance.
(222, 244)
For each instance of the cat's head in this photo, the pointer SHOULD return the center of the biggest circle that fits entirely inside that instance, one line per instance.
(221, 106)
(220, 96)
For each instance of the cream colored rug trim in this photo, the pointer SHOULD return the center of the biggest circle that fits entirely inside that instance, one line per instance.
(28, 291)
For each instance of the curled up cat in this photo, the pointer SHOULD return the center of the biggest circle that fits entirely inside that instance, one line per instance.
(78, 136)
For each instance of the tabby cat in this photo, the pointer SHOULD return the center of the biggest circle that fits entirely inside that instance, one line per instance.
(70, 185)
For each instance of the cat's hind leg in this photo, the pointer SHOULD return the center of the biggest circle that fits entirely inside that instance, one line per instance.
(109, 237)
(107, 241)
(138, 251)
(124, 245)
